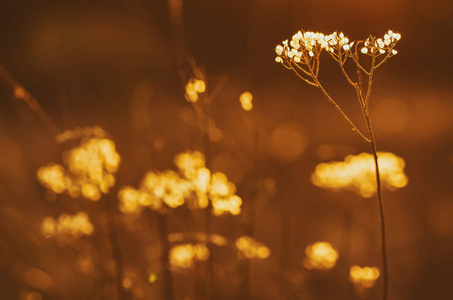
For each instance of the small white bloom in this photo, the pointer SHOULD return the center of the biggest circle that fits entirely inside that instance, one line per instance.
(364, 50)
(394, 52)
(278, 59)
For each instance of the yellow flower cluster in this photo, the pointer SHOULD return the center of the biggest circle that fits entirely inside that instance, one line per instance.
(321, 256)
(196, 187)
(89, 171)
(250, 248)
(184, 255)
(374, 46)
(366, 276)
(357, 173)
(246, 101)
(193, 88)
(74, 225)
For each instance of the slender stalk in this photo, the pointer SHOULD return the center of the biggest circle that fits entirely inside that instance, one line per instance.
(167, 288)
(381, 207)
(208, 225)
(208, 215)
(245, 285)
(30, 101)
(366, 114)
(209, 262)
(363, 100)
(354, 128)
(116, 253)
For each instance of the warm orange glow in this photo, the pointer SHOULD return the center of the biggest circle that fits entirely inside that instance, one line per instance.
(288, 141)
(19, 92)
(38, 279)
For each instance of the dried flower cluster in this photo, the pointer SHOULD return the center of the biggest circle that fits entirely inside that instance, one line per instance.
(379, 46)
(365, 172)
(196, 186)
(357, 173)
(305, 45)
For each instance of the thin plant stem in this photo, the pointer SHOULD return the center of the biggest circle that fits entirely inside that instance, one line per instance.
(363, 95)
(162, 229)
(116, 252)
(30, 101)
(208, 215)
(249, 229)
(354, 128)
(208, 230)
(381, 206)
(167, 288)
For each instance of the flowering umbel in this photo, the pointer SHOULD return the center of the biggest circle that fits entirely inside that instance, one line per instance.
(305, 46)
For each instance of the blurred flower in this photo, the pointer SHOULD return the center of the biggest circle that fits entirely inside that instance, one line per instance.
(190, 162)
(246, 101)
(196, 188)
(357, 173)
(73, 225)
(52, 177)
(366, 276)
(193, 88)
(184, 255)
(320, 255)
(89, 170)
(250, 248)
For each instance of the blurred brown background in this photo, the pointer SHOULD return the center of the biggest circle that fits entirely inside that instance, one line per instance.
(115, 64)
